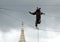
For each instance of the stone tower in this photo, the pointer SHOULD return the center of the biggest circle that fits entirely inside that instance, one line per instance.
(22, 37)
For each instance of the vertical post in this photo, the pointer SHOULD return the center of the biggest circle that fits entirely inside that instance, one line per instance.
(38, 35)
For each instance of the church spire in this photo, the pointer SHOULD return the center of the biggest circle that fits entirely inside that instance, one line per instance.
(22, 37)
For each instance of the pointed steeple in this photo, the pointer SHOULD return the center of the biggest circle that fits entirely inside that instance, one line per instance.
(22, 37)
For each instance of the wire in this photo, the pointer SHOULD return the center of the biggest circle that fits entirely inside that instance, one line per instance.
(38, 35)
(52, 16)
(13, 17)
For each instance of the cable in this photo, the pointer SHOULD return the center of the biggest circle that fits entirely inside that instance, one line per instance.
(13, 17)
(46, 15)
(38, 35)
(52, 16)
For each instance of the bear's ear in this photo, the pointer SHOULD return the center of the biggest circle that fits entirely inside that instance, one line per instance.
(39, 8)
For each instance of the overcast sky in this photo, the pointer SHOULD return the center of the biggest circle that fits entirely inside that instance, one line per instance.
(13, 12)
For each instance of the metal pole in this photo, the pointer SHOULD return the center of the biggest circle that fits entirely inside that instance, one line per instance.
(38, 35)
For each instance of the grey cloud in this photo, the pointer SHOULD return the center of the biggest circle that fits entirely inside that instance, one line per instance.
(16, 11)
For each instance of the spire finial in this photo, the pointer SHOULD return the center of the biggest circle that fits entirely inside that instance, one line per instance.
(22, 24)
